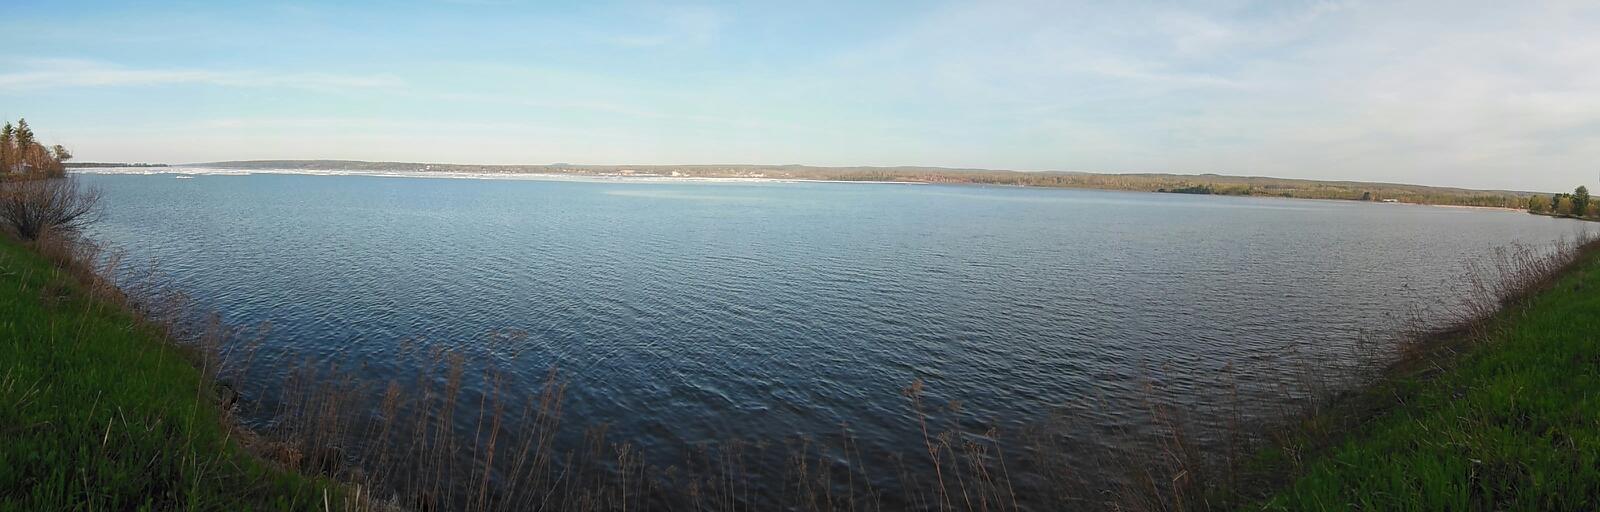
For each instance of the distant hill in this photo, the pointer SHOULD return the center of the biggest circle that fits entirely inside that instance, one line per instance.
(1146, 182)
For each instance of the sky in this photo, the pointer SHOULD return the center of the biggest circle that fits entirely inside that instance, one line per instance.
(1502, 95)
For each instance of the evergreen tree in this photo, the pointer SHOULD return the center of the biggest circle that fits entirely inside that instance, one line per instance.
(24, 135)
(8, 152)
(1580, 201)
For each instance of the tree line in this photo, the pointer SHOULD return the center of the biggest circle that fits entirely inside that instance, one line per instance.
(21, 154)
(1575, 204)
(1203, 184)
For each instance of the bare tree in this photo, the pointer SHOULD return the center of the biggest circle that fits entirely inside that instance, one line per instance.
(34, 207)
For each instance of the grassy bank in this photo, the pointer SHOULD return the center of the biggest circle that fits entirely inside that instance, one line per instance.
(1505, 416)
(99, 412)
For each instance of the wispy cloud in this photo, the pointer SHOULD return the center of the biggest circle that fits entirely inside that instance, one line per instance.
(58, 73)
(613, 108)
(357, 124)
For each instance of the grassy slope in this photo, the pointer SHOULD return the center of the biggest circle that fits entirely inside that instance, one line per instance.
(1514, 424)
(98, 414)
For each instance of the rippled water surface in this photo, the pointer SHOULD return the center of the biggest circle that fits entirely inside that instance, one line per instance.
(687, 312)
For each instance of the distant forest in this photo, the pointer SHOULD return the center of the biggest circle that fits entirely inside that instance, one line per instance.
(1178, 183)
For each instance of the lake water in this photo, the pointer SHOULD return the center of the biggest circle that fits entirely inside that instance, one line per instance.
(689, 312)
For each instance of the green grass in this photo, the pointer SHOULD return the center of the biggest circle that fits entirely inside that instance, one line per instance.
(99, 413)
(1513, 423)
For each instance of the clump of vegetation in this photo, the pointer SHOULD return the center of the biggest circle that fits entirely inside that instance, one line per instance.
(21, 154)
(1576, 204)
(33, 208)
(1192, 189)
(36, 196)
(1209, 190)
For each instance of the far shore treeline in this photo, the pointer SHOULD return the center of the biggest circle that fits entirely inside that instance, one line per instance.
(1214, 184)
(1576, 204)
(103, 165)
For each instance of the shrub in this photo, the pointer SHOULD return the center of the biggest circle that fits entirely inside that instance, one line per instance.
(31, 208)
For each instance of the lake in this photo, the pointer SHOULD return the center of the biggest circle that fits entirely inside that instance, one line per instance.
(688, 312)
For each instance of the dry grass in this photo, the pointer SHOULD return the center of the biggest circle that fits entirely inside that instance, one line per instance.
(435, 443)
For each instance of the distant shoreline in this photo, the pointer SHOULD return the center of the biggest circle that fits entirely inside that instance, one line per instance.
(97, 165)
(1477, 207)
(1203, 184)
(510, 176)
(1564, 216)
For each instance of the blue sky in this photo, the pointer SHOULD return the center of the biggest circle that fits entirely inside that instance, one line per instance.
(1479, 94)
